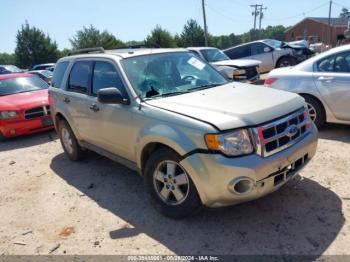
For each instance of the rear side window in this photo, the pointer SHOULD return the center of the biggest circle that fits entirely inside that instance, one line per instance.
(105, 75)
(79, 77)
(59, 72)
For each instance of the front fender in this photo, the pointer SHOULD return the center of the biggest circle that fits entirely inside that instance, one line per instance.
(180, 139)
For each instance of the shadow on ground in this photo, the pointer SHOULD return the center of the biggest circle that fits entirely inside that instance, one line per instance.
(335, 132)
(301, 218)
(27, 141)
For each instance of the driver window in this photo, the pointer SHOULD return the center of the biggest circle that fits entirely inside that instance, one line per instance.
(105, 75)
(257, 49)
(342, 63)
(326, 64)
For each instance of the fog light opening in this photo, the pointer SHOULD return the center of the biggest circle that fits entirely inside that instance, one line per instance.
(243, 186)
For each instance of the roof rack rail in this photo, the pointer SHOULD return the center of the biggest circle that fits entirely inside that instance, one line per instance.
(140, 46)
(87, 51)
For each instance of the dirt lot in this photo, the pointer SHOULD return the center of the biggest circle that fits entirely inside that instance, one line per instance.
(49, 204)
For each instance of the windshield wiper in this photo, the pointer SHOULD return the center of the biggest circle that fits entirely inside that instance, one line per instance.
(168, 94)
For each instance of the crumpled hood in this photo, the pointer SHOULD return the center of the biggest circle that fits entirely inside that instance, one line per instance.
(232, 105)
(238, 63)
(24, 101)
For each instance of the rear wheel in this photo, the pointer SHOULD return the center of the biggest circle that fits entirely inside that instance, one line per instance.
(316, 111)
(69, 142)
(169, 187)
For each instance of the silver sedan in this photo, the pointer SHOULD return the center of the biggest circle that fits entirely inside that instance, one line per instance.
(324, 82)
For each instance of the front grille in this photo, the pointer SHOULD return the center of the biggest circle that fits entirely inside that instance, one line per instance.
(282, 133)
(250, 73)
(37, 112)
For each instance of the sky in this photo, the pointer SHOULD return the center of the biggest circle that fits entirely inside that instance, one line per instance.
(134, 19)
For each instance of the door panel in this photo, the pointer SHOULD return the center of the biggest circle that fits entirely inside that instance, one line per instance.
(257, 52)
(333, 82)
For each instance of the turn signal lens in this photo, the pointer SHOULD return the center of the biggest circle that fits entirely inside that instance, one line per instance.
(212, 141)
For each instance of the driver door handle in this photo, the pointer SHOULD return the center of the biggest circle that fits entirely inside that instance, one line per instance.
(94, 108)
(66, 100)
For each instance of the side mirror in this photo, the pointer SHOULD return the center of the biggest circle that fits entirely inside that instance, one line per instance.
(267, 49)
(111, 95)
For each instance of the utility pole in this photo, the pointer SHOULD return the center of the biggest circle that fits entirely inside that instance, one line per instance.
(329, 23)
(205, 24)
(261, 15)
(255, 14)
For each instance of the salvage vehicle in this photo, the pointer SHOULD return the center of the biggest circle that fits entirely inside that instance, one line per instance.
(272, 53)
(24, 105)
(324, 82)
(243, 70)
(196, 138)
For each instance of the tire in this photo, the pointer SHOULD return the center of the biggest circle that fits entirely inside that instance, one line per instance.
(285, 61)
(316, 111)
(69, 142)
(158, 185)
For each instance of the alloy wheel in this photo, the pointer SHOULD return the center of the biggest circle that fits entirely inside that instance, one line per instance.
(67, 140)
(312, 112)
(171, 182)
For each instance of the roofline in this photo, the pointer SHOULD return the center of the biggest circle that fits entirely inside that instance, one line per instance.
(313, 19)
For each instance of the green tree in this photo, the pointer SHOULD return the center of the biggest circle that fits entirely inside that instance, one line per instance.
(92, 37)
(34, 47)
(192, 34)
(344, 12)
(160, 38)
(274, 32)
(7, 59)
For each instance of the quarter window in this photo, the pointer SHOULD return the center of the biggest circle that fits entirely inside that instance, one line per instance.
(79, 77)
(105, 75)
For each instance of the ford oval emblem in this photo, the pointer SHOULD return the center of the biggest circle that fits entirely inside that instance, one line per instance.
(292, 130)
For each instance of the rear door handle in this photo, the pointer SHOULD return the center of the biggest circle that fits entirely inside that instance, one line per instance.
(326, 78)
(94, 108)
(66, 100)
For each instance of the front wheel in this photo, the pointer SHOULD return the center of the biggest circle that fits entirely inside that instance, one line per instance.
(285, 62)
(169, 186)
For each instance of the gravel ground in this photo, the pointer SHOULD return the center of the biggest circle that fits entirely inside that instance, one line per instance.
(49, 205)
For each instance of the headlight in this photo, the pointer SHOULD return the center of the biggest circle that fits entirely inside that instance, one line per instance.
(232, 144)
(8, 114)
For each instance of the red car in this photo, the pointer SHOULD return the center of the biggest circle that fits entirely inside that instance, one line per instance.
(24, 106)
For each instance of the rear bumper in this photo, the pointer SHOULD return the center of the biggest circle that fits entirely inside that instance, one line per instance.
(214, 174)
(25, 127)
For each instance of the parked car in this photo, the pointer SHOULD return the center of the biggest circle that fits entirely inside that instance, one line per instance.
(271, 53)
(196, 138)
(324, 82)
(45, 75)
(24, 105)
(43, 66)
(244, 70)
(9, 69)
